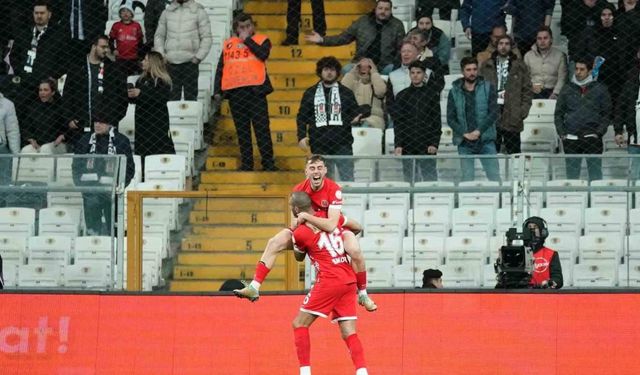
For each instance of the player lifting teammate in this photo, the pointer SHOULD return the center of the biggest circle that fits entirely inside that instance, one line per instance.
(326, 198)
(333, 293)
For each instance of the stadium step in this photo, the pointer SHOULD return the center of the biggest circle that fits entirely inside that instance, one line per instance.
(276, 108)
(252, 177)
(227, 163)
(221, 272)
(214, 285)
(330, 7)
(186, 258)
(236, 231)
(311, 52)
(275, 124)
(286, 95)
(239, 204)
(277, 36)
(336, 21)
(253, 189)
(278, 151)
(240, 218)
(287, 80)
(202, 243)
(225, 137)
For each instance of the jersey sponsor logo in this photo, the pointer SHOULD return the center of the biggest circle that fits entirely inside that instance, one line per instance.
(324, 203)
(540, 265)
(340, 260)
(339, 195)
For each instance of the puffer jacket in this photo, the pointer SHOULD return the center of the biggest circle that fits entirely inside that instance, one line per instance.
(486, 110)
(183, 32)
(9, 130)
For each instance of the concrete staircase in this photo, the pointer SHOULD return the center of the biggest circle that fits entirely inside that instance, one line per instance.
(229, 234)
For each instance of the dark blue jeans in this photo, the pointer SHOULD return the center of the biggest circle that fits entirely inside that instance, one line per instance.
(490, 165)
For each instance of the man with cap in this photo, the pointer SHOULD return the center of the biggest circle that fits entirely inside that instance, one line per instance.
(88, 171)
(547, 271)
(432, 279)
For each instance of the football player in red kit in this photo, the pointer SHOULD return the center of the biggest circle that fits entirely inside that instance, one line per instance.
(326, 198)
(340, 272)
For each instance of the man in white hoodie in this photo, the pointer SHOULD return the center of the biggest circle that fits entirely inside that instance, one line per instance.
(184, 37)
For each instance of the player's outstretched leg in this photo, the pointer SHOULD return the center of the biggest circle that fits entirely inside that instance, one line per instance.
(350, 337)
(301, 325)
(275, 246)
(352, 247)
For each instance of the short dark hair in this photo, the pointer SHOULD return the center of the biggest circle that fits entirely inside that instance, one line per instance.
(95, 40)
(53, 84)
(543, 29)
(499, 26)
(314, 158)
(42, 3)
(417, 64)
(328, 62)
(384, 1)
(468, 60)
(586, 60)
(240, 17)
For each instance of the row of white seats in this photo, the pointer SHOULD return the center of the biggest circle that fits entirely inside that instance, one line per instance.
(90, 275)
(436, 250)
(462, 275)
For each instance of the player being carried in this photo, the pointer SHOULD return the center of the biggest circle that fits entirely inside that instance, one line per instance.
(326, 202)
(334, 290)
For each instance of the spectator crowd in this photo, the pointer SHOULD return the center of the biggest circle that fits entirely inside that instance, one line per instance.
(395, 80)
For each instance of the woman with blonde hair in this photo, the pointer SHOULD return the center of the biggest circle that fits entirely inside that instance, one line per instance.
(151, 93)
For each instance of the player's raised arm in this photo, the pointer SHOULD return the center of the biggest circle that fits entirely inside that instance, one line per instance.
(327, 225)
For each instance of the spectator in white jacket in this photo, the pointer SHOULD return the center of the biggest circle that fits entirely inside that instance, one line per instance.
(184, 37)
(9, 140)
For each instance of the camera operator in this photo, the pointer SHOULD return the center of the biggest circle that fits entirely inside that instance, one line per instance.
(547, 271)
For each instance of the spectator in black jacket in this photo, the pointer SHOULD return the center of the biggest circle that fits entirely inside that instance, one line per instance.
(95, 84)
(582, 116)
(35, 55)
(327, 111)
(44, 130)
(105, 140)
(151, 94)
(417, 124)
(576, 15)
(84, 21)
(604, 40)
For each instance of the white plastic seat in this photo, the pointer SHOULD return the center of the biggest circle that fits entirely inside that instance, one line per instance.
(461, 275)
(354, 206)
(366, 142)
(595, 275)
(390, 221)
(137, 176)
(382, 248)
(379, 275)
(610, 199)
(183, 142)
(187, 114)
(443, 25)
(595, 249)
(609, 220)
(448, 83)
(63, 221)
(503, 221)
(17, 221)
(49, 249)
(629, 275)
(152, 254)
(633, 242)
(166, 167)
(466, 248)
(93, 249)
(476, 199)
(634, 219)
(533, 202)
(565, 244)
(432, 220)
(407, 276)
(539, 133)
(38, 275)
(28, 168)
(489, 280)
(13, 249)
(87, 275)
(473, 221)
(161, 209)
(127, 125)
(569, 197)
(427, 250)
(563, 220)
(64, 171)
(387, 200)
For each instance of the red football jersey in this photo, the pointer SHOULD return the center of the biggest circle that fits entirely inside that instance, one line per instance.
(128, 39)
(327, 254)
(329, 195)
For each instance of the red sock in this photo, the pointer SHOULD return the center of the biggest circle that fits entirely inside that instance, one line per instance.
(261, 272)
(361, 280)
(355, 348)
(303, 345)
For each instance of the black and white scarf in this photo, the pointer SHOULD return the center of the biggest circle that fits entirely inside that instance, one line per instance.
(332, 116)
(111, 148)
(502, 72)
